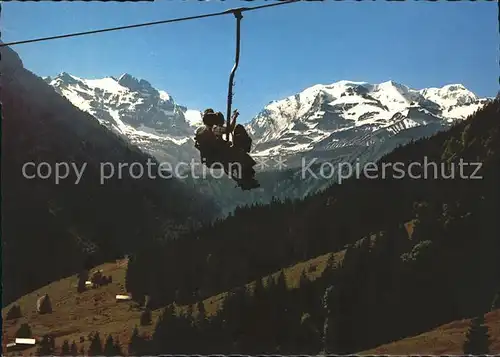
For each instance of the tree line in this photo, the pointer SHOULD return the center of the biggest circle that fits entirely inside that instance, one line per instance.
(391, 283)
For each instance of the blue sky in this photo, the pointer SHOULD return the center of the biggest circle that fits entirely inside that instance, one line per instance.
(285, 49)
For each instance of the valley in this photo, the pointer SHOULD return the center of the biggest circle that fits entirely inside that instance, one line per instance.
(367, 266)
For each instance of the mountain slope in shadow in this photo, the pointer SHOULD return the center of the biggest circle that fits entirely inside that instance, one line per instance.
(51, 229)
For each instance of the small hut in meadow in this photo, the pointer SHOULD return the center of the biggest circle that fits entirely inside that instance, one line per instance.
(123, 297)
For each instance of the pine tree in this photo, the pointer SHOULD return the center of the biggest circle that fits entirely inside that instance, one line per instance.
(129, 274)
(82, 278)
(259, 290)
(109, 347)
(46, 346)
(202, 313)
(95, 348)
(24, 331)
(332, 262)
(190, 311)
(330, 326)
(74, 349)
(200, 327)
(303, 279)
(307, 337)
(14, 312)
(496, 301)
(65, 351)
(166, 329)
(281, 312)
(117, 348)
(330, 269)
(281, 286)
(138, 275)
(477, 339)
(183, 334)
(146, 318)
(52, 344)
(134, 345)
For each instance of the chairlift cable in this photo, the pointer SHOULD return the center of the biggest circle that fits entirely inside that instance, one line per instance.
(75, 34)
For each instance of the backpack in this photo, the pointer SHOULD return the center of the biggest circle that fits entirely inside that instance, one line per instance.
(241, 139)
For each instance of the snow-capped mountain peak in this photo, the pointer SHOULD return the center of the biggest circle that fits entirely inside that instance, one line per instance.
(451, 95)
(132, 107)
(139, 85)
(322, 119)
(324, 116)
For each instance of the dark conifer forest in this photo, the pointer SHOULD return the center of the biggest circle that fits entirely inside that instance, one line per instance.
(392, 282)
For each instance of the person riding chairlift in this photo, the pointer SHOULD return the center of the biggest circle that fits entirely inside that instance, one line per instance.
(213, 128)
(209, 137)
